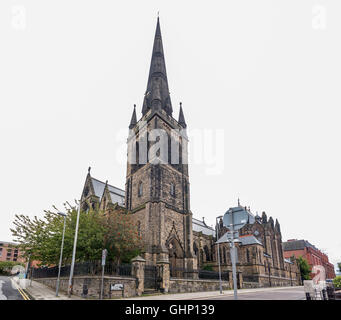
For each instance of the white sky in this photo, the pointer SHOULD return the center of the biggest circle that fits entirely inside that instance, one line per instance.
(267, 72)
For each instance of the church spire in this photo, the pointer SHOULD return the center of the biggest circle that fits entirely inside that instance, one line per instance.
(133, 120)
(181, 120)
(157, 93)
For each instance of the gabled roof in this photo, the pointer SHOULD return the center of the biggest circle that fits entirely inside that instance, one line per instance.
(116, 198)
(116, 194)
(249, 239)
(297, 245)
(200, 226)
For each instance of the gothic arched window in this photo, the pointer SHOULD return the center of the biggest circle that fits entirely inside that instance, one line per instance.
(195, 248)
(207, 253)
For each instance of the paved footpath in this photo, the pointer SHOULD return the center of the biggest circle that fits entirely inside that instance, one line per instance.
(277, 293)
(39, 291)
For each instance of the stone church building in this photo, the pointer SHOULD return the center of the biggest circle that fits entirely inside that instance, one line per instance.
(157, 194)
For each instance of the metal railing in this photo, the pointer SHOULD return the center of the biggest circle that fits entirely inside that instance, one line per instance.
(92, 268)
(213, 275)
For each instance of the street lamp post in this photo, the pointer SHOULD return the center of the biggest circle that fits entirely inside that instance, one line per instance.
(217, 235)
(74, 252)
(61, 253)
(234, 268)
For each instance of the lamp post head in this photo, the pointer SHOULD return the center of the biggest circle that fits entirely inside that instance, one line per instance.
(61, 214)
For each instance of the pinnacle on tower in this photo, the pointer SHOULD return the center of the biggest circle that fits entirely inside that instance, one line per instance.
(157, 94)
(181, 120)
(133, 120)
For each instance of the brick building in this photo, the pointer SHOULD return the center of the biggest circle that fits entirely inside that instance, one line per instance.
(314, 256)
(9, 252)
(157, 194)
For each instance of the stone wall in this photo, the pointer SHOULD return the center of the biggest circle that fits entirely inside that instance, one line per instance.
(93, 285)
(263, 281)
(191, 285)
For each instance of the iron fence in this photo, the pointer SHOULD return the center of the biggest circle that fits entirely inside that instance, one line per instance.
(213, 275)
(176, 272)
(92, 268)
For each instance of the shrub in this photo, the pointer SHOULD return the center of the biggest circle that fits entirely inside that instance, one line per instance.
(6, 266)
(337, 282)
(207, 267)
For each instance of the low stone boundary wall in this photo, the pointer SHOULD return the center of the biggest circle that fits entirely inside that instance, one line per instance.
(177, 285)
(93, 286)
(263, 281)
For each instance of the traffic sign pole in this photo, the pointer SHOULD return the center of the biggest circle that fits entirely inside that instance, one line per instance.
(104, 256)
(234, 220)
(234, 271)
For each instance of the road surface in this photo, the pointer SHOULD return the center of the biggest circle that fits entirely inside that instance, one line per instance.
(9, 291)
(296, 293)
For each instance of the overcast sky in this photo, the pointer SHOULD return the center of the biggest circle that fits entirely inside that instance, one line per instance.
(266, 72)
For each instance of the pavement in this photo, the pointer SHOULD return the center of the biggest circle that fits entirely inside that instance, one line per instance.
(13, 289)
(277, 293)
(39, 291)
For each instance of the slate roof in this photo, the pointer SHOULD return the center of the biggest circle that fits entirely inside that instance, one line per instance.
(297, 245)
(250, 239)
(200, 226)
(117, 195)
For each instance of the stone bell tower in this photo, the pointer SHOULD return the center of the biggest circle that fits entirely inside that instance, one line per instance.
(157, 182)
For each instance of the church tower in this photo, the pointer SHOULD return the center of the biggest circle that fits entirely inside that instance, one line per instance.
(157, 182)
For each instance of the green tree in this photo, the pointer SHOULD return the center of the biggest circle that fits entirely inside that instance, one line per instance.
(339, 266)
(122, 239)
(41, 238)
(305, 268)
(207, 267)
(337, 282)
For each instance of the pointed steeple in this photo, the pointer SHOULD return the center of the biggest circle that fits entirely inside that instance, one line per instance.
(157, 93)
(133, 120)
(181, 120)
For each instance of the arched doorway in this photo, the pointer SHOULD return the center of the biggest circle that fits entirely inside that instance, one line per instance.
(176, 257)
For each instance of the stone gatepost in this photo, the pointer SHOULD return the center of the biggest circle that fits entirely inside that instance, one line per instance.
(137, 271)
(163, 275)
(192, 270)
